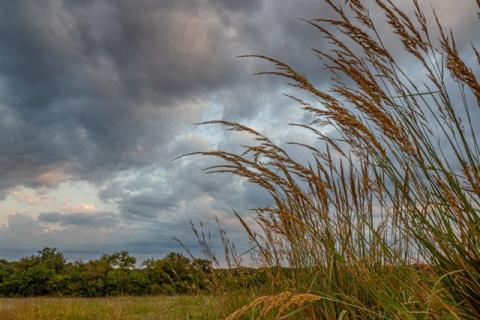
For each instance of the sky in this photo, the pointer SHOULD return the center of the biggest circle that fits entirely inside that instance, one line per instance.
(98, 97)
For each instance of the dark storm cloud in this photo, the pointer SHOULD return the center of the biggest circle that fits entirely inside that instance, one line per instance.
(27, 235)
(182, 194)
(89, 88)
(92, 87)
(147, 206)
(91, 220)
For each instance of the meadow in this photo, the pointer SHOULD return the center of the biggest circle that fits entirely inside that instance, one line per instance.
(114, 308)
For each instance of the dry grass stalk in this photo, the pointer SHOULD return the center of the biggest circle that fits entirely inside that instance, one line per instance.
(400, 186)
(280, 302)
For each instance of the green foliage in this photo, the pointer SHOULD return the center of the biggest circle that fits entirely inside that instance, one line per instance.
(178, 274)
(48, 273)
(32, 276)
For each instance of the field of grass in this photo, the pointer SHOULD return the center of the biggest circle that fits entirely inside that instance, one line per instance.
(115, 308)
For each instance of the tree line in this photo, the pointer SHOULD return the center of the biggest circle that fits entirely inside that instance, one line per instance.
(48, 273)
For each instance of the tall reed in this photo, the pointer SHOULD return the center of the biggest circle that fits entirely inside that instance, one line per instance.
(383, 221)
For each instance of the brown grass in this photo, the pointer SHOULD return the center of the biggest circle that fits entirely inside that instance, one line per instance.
(399, 188)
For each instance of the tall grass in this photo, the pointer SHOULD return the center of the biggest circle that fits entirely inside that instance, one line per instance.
(383, 221)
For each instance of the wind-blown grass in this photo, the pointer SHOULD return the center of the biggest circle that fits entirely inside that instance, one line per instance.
(384, 220)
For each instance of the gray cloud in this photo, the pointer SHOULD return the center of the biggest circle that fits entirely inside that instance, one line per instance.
(92, 220)
(94, 87)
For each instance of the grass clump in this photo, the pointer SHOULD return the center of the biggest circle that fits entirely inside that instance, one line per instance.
(383, 220)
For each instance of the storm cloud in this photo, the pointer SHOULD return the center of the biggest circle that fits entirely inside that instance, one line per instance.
(93, 220)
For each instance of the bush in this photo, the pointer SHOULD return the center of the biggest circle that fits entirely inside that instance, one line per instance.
(48, 273)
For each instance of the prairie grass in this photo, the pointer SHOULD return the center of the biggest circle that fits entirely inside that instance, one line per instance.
(383, 220)
(119, 308)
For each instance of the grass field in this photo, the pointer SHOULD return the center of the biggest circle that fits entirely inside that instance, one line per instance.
(115, 308)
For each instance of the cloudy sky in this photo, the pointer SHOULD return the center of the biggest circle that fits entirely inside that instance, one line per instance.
(97, 97)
